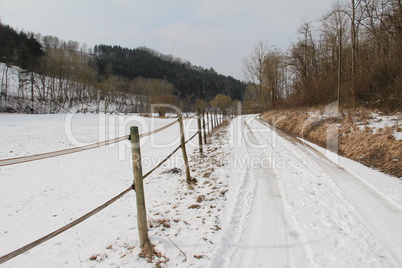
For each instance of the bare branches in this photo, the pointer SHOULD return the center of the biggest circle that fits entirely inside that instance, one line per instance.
(353, 54)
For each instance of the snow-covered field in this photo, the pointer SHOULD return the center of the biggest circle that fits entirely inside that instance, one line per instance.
(262, 198)
(38, 197)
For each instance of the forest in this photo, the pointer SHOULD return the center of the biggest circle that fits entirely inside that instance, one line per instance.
(351, 55)
(43, 74)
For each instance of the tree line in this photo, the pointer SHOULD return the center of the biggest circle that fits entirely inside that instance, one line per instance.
(46, 74)
(352, 54)
(186, 78)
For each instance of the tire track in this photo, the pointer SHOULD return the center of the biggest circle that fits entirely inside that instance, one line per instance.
(375, 216)
(272, 236)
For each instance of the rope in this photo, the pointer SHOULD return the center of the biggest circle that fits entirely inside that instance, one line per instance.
(161, 163)
(159, 129)
(62, 229)
(28, 158)
(191, 137)
(167, 157)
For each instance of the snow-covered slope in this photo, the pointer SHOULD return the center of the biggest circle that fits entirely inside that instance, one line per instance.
(24, 92)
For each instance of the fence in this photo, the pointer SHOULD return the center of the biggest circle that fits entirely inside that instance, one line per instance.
(213, 120)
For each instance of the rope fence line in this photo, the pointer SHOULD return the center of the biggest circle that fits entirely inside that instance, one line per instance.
(159, 129)
(191, 138)
(28, 158)
(39, 241)
(170, 155)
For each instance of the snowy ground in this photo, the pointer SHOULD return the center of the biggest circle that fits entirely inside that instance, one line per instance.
(262, 199)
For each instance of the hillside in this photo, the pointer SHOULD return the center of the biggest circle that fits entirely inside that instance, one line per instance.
(367, 136)
(187, 79)
(46, 71)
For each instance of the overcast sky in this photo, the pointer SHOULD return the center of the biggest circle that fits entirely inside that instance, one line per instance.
(208, 33)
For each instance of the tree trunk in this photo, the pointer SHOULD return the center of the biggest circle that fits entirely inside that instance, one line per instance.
(353, 67)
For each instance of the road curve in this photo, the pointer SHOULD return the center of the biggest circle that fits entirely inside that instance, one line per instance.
(309, 212)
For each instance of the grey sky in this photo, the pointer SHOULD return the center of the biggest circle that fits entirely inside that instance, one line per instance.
(208, 33)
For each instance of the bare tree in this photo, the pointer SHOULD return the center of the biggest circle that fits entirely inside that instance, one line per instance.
(223, 102)
(254, 71)
(335, 23)
(273, 72)
(304, 64)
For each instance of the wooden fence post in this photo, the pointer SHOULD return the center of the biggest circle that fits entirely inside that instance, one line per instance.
(199, 132)
(139, 187)
(183, 149)
(203, 124)
(208, 124)
(212, 121)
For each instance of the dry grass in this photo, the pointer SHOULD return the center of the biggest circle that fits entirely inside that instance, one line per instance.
(380, 150)
(200, 198)
(153, 256)
(159, 222)
(174, 170)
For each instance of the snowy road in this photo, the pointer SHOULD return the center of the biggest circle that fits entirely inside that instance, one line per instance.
(296, 208)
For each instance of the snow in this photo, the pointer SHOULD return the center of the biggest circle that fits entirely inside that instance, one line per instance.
(378, 121)
(372, 120)
(39, 197)
(263, 198)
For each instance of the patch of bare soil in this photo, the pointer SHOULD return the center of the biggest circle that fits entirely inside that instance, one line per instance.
(376, 148)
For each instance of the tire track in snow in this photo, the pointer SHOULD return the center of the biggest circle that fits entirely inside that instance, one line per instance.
(376, 219)
(284, 240)
(318, 157)
(269, 235)
(238, 216)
